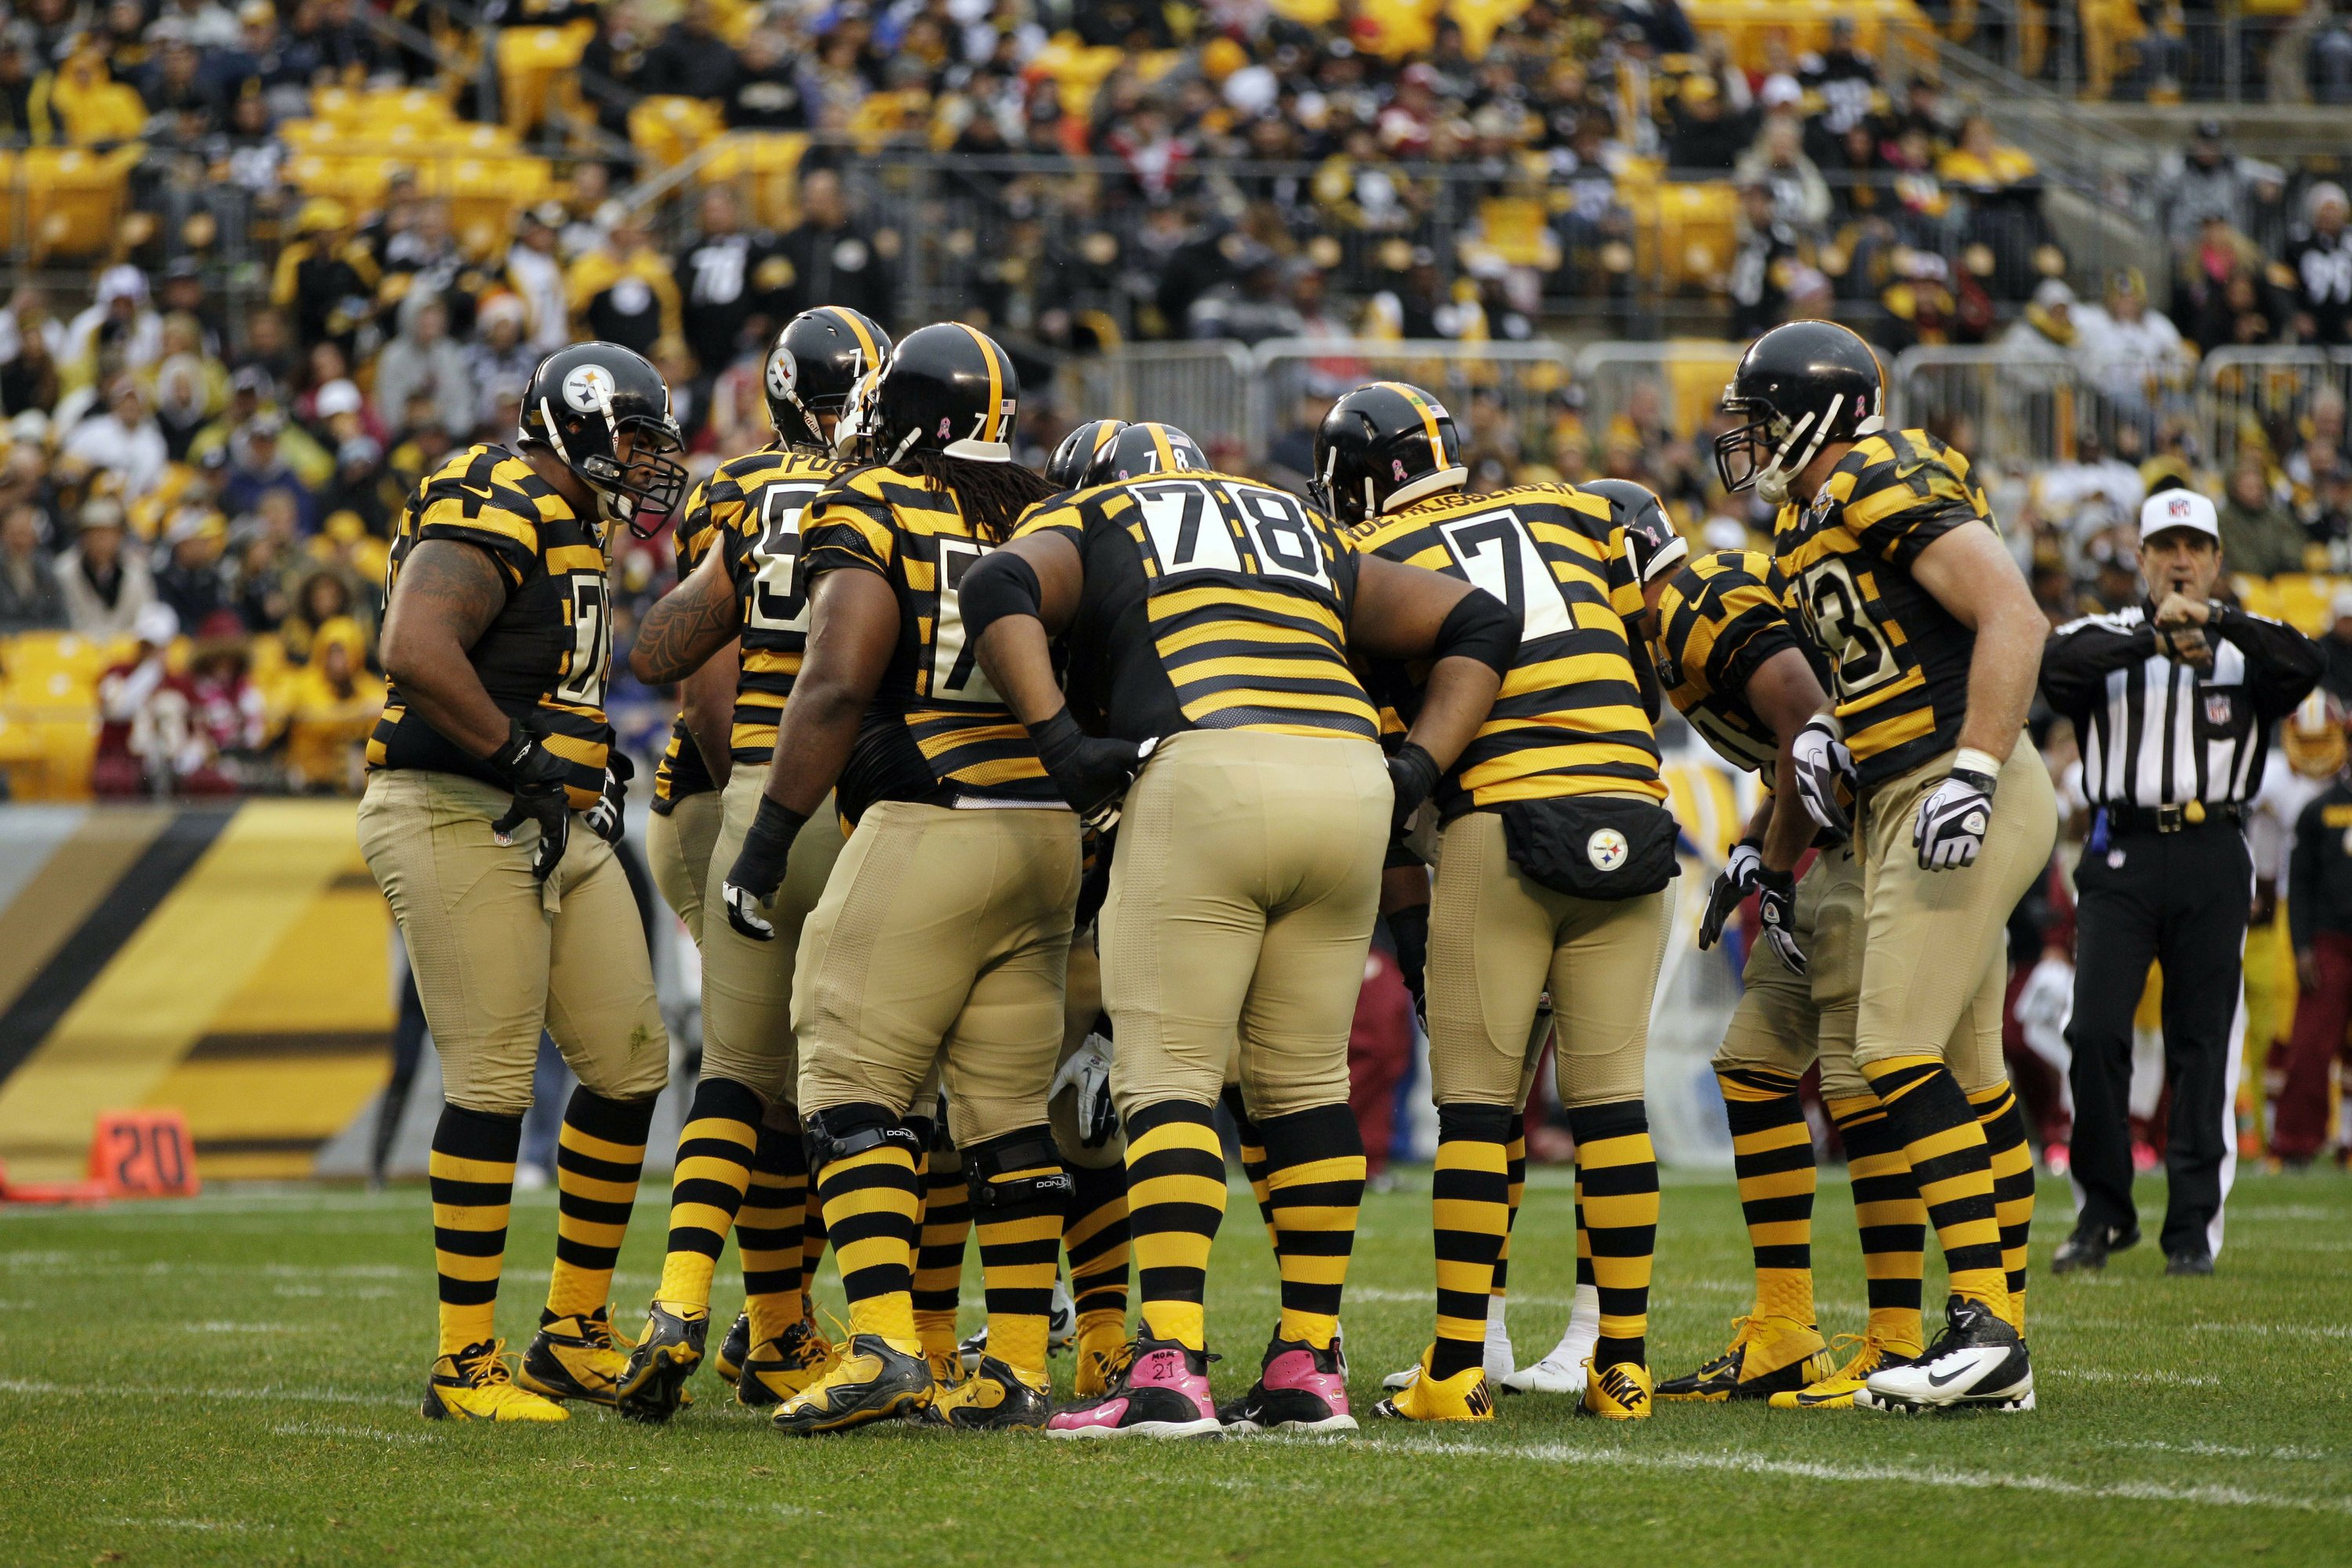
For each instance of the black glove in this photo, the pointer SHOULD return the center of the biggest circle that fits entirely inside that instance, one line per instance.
(1738, 879)
(609, 816)
(1776, 908)
(1410, 927)
(759, 868)
(536, 776)
(1412, 774)
(1091, 772)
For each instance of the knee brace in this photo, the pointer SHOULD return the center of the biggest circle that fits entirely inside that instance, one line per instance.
(838, 1131)
(1031, 1150)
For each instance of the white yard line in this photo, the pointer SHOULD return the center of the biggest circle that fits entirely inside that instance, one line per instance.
(291, 1396)
(1902, 1475)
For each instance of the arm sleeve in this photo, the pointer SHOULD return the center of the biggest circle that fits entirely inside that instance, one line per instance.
(2078, 658)
(2282, 664)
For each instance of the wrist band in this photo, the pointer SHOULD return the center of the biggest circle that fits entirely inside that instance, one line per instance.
(1971, 761)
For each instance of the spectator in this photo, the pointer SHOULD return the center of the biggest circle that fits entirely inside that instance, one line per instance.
(2319, 259)
(733, 283)
(119, 329)
(1252, 308)
(2203, 184)
(691, 60)
(2259, 536)
(323, 600)
(258, 468)
(124, 440)
(1706, 140)
(30, 596)
(766, 92)
(2338, 647)
(535, 273)
(142, 710)
(332, 710)
(105, 585)
(623, 292)
(834, 260)
(1760, 267)
(2132, 353)
(423, 362)
(1801, 197)
(191, 579)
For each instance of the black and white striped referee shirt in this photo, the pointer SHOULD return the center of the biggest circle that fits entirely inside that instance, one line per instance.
(2155, 730)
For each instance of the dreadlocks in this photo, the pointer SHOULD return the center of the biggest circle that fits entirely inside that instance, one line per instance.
(992, 495)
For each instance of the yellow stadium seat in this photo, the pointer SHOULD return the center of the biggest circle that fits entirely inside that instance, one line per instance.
(1516, 230)
(1695, 378)
(1684, 234)
(766, 162)
(73, 198)
(667, 129)
(1076, 70)
(1883, 27)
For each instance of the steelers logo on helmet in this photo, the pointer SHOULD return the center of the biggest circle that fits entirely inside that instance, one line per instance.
(588, 388)
(1606, 849)
(783, 372)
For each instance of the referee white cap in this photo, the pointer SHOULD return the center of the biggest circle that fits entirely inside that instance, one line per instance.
(2178, 509)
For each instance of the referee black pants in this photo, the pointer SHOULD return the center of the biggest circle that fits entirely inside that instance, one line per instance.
(2180, 899)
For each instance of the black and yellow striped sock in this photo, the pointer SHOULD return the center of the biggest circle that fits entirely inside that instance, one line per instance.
(1889, 1215)
(767, 1230)
(1583, 1235)
(1946, 1150)
(1617, 1175)
(599, 1155)
(869, 1214)
(1515, 1169)
(1315, 1186)
(1772, 1156)
(1017, 1216)
(1470, 1213)
(1253, 1150)
(2011, 1158)
(1095, 1238)
(1176, 1198)
(944, 1222)
(472, 1170)
(715, 1151)
(812, 1238)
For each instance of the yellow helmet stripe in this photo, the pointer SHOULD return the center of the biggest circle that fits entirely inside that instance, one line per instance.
(988, 352)
(1160, 445)
(1106, 432)
(858, 330)
(1421, 405)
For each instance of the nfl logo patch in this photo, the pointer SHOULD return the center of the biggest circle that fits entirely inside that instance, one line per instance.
(2217, 709)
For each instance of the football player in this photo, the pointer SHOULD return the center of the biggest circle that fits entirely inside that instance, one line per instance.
(944, 929)
(1896, 568)
(498, 640)
(1748, 680)
(1555, 851)
(743, 1125)
(1208, 622)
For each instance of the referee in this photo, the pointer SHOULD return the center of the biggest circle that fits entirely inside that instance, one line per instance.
(2173, 700)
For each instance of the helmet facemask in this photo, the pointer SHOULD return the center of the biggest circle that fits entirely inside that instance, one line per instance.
(651, 481)
(1769, 450)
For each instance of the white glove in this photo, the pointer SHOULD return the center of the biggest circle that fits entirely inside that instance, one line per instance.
(1087, 1074)
(1822, 765)
(1952, 821)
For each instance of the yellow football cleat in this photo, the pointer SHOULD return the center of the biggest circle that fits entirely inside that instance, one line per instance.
(1619, 1393)
(1768, 1355)
(871, 1379)
(994, 1397)
(575, 1357)
(476, 1384)
(1836, 1390)
(777, 1369)
(1101, 1349)
(1465, 1396)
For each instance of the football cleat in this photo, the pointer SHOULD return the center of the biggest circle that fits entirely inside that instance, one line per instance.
(1158, 1389)
(2090, 1247)
(1099, 1345)
(728, 1361)
(1768, 1355)
(575, 1357)
(655, 1377)
(1619, 1393)
(1836, 1390)
(1467, 1395)
(1299, 1389)
(871, 1381)
(777, 1369)
(476, 1384)
(1061, 1320)
(1978, 1363)
(1565, 1369)
(993, 1398)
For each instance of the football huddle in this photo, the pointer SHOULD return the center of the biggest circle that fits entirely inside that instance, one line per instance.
(1027, 822)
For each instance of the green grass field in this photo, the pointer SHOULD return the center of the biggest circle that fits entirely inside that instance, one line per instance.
(234, 1379)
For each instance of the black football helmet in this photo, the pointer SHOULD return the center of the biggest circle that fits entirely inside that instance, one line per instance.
(1382, 447)
(1650, 541)
(817, 361)
(579, 404)
(1798, 388)
(1067, 467)
(947, 388)
(1141, 449)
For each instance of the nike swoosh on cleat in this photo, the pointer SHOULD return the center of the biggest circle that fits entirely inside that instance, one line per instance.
(1937, 1381)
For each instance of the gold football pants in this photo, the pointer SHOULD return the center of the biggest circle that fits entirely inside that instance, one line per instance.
(678, 851)
(747, 984)
(1785, 1021)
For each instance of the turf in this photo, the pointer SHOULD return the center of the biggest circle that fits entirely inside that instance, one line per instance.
(234, 1379)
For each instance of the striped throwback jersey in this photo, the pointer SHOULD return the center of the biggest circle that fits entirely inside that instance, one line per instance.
(681, 770)
(547, 655)
(1900, 661)
(1569, 719)
(755, 503)
(1210, 602)
(1721, 617)
(935, 731)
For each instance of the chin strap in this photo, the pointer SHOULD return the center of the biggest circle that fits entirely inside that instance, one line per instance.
(1772, 480)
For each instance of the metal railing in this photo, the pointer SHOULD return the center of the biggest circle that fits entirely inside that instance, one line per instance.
(2225, 55)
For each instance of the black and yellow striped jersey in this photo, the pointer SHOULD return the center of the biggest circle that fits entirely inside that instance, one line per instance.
(1570, 718)
(935, 730)
(682, 772)
(756, 502)
(1899, 661)
(547, 655)
(1210, 602)
(1720, 617)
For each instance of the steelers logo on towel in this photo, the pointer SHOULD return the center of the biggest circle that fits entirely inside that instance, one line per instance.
(588, 388)
(1606, 849)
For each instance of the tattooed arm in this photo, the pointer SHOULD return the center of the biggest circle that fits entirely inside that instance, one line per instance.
(445, 597)
(693, 621)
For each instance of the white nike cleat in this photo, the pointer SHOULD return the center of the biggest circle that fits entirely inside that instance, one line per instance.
(1565, 1370)
(1500, 1362)
(1978, 1363)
